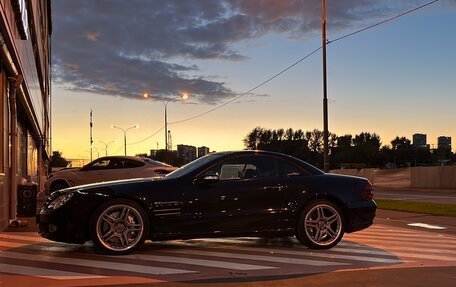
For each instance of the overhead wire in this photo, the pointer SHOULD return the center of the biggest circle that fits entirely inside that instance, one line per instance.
(383, 22)
(143, 140)
(294, 64)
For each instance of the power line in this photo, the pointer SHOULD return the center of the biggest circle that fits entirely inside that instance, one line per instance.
(305, 57)
(143, 140)
(252, 89)
(294, 64)
(383, 22)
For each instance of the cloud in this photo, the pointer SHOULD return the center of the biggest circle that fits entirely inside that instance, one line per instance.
(126, 48)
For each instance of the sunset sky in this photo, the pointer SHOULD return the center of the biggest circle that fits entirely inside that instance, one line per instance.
(396, 79)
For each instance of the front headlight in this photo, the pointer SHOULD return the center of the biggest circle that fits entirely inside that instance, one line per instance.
(60, 201)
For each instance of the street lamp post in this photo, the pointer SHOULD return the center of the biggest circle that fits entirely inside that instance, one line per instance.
(125, 134)
(106, 145)
(165, 104)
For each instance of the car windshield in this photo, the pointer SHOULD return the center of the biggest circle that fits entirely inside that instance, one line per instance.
(154, 162)
(189, 167)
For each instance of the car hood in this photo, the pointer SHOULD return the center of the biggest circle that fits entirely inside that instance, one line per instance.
(66, 170)
(111, 183)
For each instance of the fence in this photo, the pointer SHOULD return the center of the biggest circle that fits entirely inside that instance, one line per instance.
(442, 177)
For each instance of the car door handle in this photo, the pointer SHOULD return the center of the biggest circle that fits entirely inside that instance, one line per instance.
(278, 187)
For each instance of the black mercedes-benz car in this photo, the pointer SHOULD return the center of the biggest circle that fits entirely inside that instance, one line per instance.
(243, 193)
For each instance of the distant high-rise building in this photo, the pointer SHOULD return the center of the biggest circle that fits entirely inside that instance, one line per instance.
(202, 151)
(187, 153)
(444, 143)
(162, 155)
(419, 141)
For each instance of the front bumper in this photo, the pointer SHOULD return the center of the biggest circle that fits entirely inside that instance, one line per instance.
(56, 225)
(70, 222)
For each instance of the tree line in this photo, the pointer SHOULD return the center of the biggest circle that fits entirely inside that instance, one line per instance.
(348, 151)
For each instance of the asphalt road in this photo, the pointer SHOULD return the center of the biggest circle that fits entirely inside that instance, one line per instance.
(400, 249)
(390, 253)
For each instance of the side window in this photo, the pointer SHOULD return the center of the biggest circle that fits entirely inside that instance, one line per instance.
(246, 167)
(289, 169)
(116, 164)
(99, 164)
(132, 163)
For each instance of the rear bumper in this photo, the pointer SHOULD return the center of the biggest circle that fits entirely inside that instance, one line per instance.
(360, 215)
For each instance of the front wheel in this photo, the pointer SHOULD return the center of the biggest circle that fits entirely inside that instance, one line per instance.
(119, 226)
(320, 225)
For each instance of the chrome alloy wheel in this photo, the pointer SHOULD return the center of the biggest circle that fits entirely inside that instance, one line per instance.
(119, 227)
(323, 224)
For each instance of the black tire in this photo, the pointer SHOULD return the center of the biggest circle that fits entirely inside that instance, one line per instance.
(119, 226)
(321, 225)
(58, 185)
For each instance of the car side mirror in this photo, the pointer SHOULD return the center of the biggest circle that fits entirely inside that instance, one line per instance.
(209, 177)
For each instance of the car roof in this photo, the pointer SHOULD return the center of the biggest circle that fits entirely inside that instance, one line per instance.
(120, 157)
(271, 153)
(250, 152)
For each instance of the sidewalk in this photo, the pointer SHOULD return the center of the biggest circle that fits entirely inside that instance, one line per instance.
(31, 221)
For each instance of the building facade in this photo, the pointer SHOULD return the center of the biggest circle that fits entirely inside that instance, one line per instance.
(186, 153)
(444, 143)
(202, 151)
(25, 30)
(419, 141)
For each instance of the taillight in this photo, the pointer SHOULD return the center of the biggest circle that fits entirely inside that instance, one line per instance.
(368, 191)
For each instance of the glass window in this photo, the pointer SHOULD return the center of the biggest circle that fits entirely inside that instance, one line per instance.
(289, 169)
(128, 163)
(156, 163)
(99, 164)
(246, 167)
(194, 165)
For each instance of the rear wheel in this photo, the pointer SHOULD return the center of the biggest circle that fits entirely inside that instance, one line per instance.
(119, 226)
(320, 225)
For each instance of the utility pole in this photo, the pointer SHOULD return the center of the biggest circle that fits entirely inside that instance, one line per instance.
(91, 139)
(166, 130)
(325, 90)
(170, 149)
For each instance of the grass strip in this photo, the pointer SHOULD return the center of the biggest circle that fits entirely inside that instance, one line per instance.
(439, 209)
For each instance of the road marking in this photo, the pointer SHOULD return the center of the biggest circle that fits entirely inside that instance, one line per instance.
(424, 225)
(45, 273)
(404, 239)
(159, 258)
(199, 262)
(416, 253)
(326, 254)
(258, 257)
(94, 263)
(418, 235)
(388, 243)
